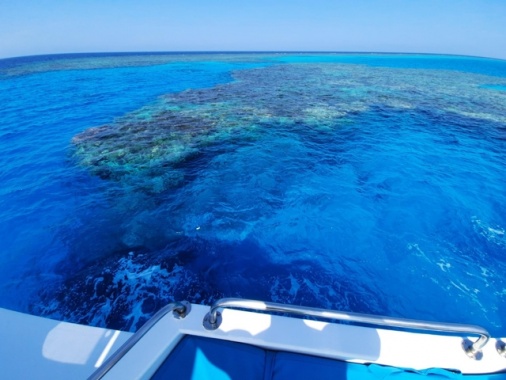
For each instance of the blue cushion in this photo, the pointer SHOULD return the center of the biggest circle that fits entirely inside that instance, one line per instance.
(203, 358)
(289, 366)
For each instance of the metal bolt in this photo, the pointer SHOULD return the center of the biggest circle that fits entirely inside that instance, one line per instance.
(501, 348)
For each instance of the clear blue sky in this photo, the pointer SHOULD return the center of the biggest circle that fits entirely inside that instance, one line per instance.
(29, 27)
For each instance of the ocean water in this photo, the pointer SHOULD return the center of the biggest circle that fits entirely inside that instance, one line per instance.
(369, 183)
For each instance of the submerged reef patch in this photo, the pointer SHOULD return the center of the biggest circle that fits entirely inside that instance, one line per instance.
(146, 146)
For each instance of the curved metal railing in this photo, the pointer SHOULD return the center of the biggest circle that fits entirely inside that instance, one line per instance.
(213, 319)
(178, 309)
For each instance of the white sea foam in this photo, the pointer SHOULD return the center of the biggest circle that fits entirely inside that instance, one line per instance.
(294, 288)
(444, 266)
(493, 233)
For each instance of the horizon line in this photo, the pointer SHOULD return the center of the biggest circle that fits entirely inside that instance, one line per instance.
(161, 52)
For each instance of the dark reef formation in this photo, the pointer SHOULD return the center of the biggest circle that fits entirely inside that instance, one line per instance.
(123, 292)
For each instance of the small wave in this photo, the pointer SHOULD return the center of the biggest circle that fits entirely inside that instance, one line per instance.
(492, 233)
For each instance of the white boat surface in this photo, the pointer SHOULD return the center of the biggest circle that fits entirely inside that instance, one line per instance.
(248, 339)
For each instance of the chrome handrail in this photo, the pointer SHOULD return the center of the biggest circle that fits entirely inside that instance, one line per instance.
(178, 309)
(213, 319)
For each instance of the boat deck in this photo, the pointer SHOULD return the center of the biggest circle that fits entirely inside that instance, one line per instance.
(40, 348)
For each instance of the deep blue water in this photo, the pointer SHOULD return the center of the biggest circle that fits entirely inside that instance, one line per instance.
(370, 183)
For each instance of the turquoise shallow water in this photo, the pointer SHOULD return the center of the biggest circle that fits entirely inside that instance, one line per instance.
(368, 183)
